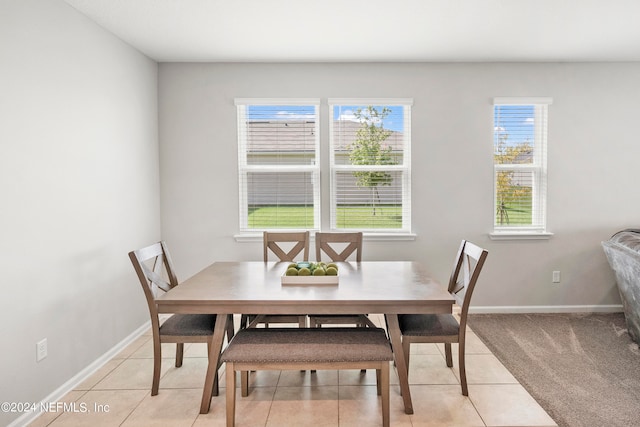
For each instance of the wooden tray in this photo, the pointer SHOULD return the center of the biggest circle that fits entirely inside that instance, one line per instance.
(309, 280)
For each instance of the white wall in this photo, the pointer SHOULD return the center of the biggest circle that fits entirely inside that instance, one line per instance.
(79, 188)
(593, 152)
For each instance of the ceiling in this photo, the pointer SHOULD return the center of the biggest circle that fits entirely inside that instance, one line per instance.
(373, 30)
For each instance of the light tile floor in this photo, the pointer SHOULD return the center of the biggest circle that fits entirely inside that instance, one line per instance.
(118, 394)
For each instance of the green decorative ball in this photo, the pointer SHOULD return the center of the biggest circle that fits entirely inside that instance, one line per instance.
(304, 272)
(332, 271)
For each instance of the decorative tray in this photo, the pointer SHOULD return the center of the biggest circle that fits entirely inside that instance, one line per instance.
(308, 273)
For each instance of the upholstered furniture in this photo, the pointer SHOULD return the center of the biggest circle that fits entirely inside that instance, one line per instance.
(623, 254)
(309, 348)
(446, 328)
(155, 271)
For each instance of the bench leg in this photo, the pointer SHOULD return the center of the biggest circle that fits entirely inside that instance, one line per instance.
(231, 395)
(384, 384)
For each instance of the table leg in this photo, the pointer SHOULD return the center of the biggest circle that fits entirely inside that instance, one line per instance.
(398, 355)
(214, 355)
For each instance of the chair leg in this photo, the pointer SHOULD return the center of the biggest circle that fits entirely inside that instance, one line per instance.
(367, 322)
(463, 370)
(157, 364)
(302, 321)
(179, 354)
(230, 327)
(253, 321)
(447, 353)
(406, 348)
(215, 391)
(362, 323)
(244, 383)
(231, 395)
(378, 384)
(244, 321)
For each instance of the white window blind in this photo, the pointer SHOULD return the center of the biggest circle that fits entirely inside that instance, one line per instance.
(370, 164)
(520, 164)
(278, 153)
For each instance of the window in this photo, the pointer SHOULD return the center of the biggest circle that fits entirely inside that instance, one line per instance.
(520, 166)
(369, 157)
(278, 164)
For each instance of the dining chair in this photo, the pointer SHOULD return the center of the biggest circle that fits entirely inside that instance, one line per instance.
(339, 247)
(307, 348)
(155, 271)
(276, 243)
(445, 328)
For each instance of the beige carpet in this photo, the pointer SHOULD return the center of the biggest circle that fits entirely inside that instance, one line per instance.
(583, 369)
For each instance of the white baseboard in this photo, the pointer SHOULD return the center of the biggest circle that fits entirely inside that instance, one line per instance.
(613, 308)
(68, 386)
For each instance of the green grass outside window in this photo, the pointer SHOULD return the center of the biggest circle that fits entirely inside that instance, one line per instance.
(347, 217)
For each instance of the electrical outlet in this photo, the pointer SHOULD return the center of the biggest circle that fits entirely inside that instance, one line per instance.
(555, 277)
(41, 350)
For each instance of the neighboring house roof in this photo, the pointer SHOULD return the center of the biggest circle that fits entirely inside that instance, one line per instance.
(299, 135)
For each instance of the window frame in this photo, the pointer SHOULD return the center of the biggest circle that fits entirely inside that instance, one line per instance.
(538, 168)
(404, 168)
(244, 168)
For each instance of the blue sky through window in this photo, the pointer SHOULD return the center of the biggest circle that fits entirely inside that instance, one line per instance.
(394, 121)
(516, 122)
(281, 112)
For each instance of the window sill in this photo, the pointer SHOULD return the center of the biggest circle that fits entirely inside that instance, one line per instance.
(520, 235)
(373, 237)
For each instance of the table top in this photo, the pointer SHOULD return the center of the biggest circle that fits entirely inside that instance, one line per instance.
(255, 287)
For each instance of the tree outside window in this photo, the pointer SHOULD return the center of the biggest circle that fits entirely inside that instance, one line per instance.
(520, 184)
(369, 149)
(370, 165)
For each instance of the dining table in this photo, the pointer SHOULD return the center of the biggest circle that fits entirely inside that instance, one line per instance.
(390, 288)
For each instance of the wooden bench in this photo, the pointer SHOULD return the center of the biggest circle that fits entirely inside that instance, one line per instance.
(310, 348)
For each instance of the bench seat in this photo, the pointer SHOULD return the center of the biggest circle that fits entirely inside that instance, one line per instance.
(307, 348)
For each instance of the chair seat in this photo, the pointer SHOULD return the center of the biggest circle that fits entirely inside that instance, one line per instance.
(312, 345)
(189, 325)
(428, 324)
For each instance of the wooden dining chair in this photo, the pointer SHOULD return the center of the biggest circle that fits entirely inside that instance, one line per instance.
(339, 247)
(308, 348)
(155, 271)
(276, 243)
(445, 328)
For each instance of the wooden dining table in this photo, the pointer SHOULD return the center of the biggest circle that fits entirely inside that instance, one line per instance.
(386, 287)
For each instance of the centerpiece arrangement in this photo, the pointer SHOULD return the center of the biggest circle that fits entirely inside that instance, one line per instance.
(310, 273)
